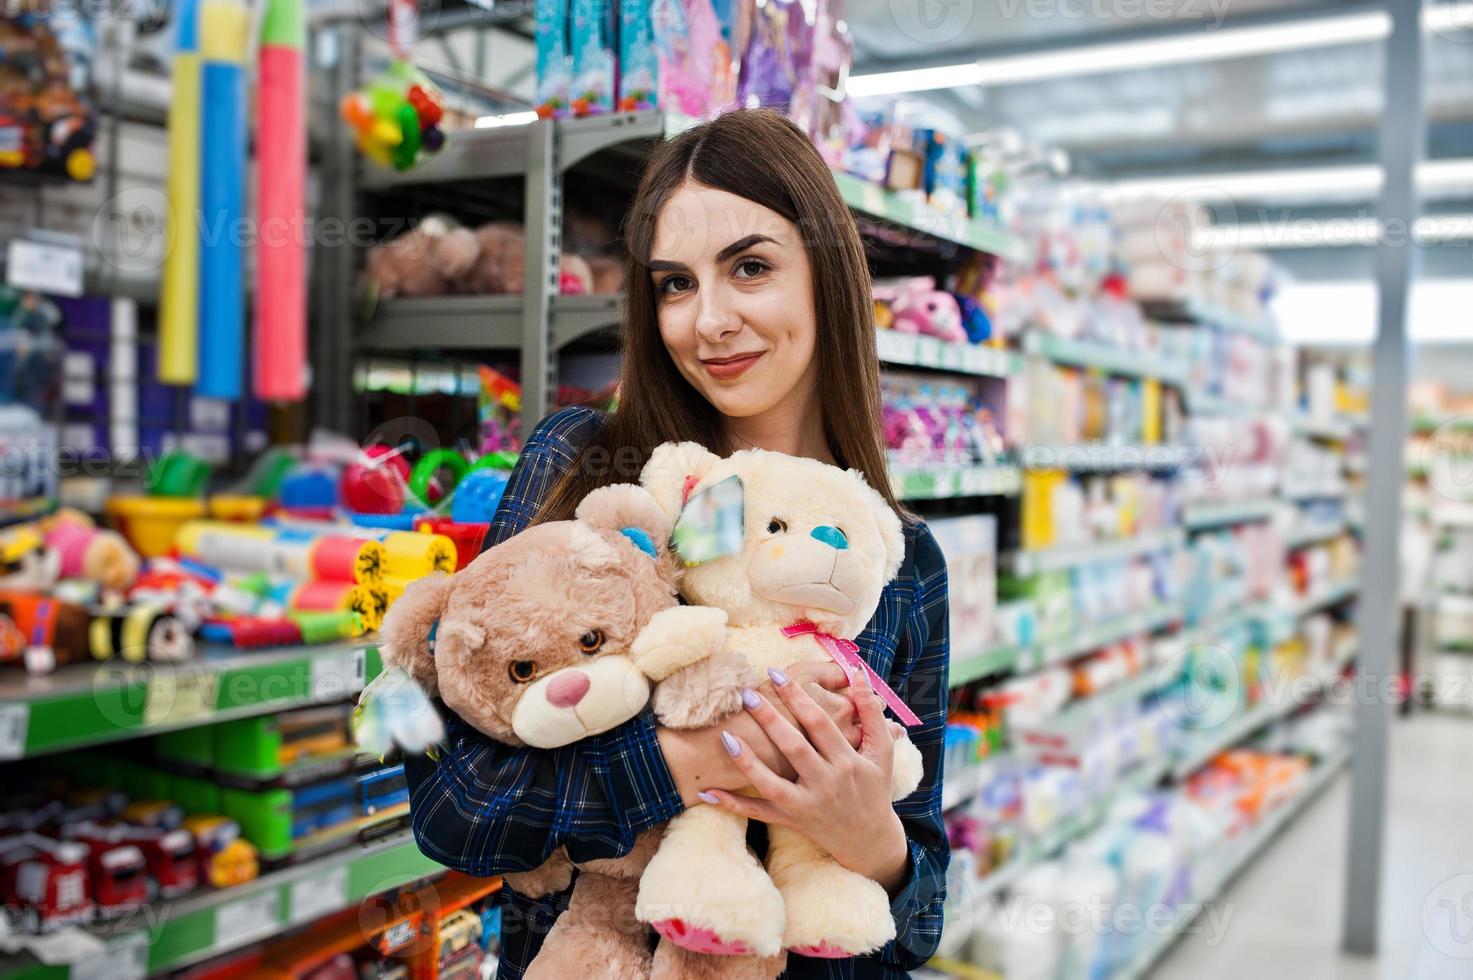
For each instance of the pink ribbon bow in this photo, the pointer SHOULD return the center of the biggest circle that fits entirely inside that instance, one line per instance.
(845, 653)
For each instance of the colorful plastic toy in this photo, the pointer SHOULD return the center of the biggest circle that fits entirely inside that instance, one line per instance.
(396, 120)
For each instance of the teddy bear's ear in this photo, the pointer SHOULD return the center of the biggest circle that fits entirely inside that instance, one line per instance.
(409, 627)
(630, 510)
(673, 470)
(891, 532)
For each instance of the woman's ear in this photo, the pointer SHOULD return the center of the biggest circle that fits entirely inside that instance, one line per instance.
(673, 471)
(407, 636)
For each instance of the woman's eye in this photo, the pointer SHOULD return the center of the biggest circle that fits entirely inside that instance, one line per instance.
(776, 526)
(673, 284)
(751, 268)
(591, 641)
(522, 671)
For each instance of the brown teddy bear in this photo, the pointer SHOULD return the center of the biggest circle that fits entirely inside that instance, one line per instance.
(555, 635)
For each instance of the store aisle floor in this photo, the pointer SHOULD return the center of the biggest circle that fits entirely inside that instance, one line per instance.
(1283, 913)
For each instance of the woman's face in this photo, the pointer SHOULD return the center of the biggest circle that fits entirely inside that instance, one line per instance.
(735, 301)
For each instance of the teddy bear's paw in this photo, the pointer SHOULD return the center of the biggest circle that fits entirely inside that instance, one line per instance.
(725, 911)
(833, 912)
(678, 637)
(906, 769)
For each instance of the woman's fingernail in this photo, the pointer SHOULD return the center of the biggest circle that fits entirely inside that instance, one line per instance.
(750, 700)
(778, 677)
(733, 747)
(708, 797)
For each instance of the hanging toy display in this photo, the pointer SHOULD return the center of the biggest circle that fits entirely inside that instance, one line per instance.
(396, 119)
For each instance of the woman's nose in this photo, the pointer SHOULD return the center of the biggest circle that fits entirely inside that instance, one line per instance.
(715, 320)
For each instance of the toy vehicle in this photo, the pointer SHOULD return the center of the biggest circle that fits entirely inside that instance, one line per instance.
(117, 871)
(160, 814)
(319, 731)
(170, 854)
(47, 879)
(225, 858)
(383, 800)
(323, 807)
(459, 931)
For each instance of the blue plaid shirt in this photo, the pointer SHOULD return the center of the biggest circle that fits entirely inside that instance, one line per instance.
(487, 808)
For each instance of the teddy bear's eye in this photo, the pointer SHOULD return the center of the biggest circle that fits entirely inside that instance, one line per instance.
(776, 526)
(522, 671)
(591, 641)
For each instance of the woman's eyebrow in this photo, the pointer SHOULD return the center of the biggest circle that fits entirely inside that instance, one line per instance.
(742, 244)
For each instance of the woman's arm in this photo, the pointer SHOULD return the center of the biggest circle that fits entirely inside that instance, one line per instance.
(916, 904)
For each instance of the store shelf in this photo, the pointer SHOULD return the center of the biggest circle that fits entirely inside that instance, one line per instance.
(1081, 711)
(972, 667)
(1112, 360)
(913, 350)
(1235, 730)
(873, 200)
(1195, 311)
(1104, 458)
(1199, 403)
(217, 921)
(1070, 555)
(1203, 515)
(1452, 515)
(1326, 597)
(1453, 423)
(85, 705)
(1330, 430)
(1330, 490)
(1094, 637)
(478, 322)
(1308, 534)
(945, 482)
(1257, 841)
(502, 151)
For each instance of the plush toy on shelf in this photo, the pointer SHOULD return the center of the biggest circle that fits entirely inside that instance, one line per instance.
(566, 615)
(429, 259)
(920, 308)
(396, 120)
(816, 547)
(91, 553)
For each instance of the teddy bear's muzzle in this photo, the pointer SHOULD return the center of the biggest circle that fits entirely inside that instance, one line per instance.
(576, 702)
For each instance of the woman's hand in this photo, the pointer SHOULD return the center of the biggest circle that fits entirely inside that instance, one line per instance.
(698, 762)
(840, 798)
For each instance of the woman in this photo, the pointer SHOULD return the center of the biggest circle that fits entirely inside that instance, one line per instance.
(747, 324)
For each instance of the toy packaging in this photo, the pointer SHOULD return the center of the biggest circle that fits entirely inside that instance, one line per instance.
(593, 49)
(554, 59)
(47, 120)
(945, 178)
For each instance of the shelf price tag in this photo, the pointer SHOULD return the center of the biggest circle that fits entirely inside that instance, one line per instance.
(125, 958)
(337, 675)
(179, 695)
(247, 919)
(314, 897)
(14, 723)
(43, 267)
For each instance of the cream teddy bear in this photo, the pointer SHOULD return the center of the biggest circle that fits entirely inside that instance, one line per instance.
(818, 547)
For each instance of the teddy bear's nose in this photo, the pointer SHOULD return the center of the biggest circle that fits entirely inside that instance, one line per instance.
(831, 536)
(568, 688)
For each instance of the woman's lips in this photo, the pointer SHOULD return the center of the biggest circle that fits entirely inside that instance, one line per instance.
(726, 368)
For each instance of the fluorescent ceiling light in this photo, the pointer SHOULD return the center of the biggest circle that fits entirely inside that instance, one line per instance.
(506, 119)
(1327, 233)
(1200, 46)
(1345, 312)
(1361, 181)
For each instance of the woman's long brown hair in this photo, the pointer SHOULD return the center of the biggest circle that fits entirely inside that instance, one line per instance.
(761, 156)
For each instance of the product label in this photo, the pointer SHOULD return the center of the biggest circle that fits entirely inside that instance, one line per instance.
(14, 723)
(319, 895)
(54, 269)
(179, 695)
(247, 919)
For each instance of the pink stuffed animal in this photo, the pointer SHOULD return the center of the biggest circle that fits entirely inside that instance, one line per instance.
(919, 307)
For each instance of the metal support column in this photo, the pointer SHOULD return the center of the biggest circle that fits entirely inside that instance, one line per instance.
(544, 230)
(331, 337)
(1403, 135)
